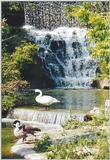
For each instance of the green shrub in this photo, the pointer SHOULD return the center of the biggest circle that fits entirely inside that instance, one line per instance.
(73, 150)
(11, 100)
(23, 99)
(7, 102)
(42, 145)
(103, 144)
(12, 75)
(66, 151)
(99, 120)
(96, 121)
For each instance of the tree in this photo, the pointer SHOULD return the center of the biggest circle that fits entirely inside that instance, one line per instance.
(17, 53)
(12, 67)
(25, 54)
(13, 12)
(94, 16)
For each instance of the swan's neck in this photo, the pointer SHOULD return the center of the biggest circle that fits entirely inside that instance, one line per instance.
(40, 93)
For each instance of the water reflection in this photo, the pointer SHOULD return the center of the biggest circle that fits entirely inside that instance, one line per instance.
(79, 99)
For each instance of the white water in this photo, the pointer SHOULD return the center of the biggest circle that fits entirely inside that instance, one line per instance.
(47, 117)
(69, 64)
(40, 116)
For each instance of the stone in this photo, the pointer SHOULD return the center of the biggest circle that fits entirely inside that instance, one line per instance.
(35, 156)
(107, 103)
(26, 150)
(95, 84)
(102, 84)
(107, 106)
(95, 111)
(66, 139)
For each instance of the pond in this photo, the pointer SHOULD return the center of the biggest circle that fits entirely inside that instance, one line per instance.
(78, 99)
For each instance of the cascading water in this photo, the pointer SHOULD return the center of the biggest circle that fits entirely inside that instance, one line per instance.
(48, 14)
(64, 56)
(52, 117)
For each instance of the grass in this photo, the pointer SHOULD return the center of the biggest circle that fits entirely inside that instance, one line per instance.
(8, 141)
(96, 121)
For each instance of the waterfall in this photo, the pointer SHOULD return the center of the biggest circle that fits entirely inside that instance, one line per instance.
(47, 117)
(47, 15)
(40, 116)
(64, 55)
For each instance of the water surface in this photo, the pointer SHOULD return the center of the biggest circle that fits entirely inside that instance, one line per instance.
(78, 99)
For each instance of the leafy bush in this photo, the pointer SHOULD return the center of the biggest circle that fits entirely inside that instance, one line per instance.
(11, 100)
(12, 37)
(25, 54)
(8, 102)
(13, 12)
(75, 149)
(12, 68)
(23, 99)
(42, 145)
(9, 31)
(96, 121)
(17, 53)
(99, 120)
(67, 151)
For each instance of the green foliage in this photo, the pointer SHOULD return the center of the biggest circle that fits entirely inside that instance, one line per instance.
(7, 102)
(13, 12)
(11, 6)
(8, 31)
(14, 6)
(11, 78)
(9, 69)
(25, 54)
(25, 99)
(74, 149)
(11, 38)
(96, 121)
(42, 145)
(99, 120)
(17, 54)
(67, 151)
(94, 16)
(103, 145)
(8, 140)
(13, 64)
(5, 29)
(12, 99)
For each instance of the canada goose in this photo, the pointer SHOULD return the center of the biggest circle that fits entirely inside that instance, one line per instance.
(22, 131)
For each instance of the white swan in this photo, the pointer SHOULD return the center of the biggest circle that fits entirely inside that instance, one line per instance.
(45, 100)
